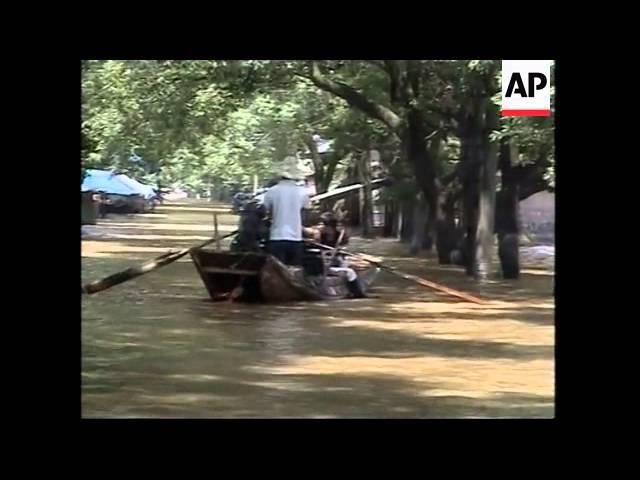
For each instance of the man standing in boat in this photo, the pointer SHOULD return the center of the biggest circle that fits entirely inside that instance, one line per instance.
(285, 202)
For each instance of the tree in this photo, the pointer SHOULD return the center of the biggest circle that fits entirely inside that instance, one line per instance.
(157, 110)
(404, 110)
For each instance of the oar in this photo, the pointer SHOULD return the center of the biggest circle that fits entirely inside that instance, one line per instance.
(408, 276)
(379, 182)
(151, 265)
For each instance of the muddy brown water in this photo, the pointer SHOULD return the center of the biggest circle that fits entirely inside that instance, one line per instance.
(156, 347)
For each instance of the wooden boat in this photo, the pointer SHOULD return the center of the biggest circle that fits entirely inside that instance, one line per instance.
(259, 277)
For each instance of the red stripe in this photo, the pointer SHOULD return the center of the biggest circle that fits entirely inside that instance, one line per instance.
(526, 113)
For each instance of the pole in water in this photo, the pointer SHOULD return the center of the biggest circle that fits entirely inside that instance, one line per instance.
(151, 265)
(215, 230)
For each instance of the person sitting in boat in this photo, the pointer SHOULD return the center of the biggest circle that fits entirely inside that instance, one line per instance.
(252, 230)
(285, 202)
(331, 235)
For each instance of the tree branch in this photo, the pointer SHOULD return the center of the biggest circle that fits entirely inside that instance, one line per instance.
(355, 98)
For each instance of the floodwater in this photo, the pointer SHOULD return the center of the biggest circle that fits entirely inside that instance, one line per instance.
(156, 347)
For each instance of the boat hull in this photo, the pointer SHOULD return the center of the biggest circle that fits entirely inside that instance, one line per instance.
(258, 277)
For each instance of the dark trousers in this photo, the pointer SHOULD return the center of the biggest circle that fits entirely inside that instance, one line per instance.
(289, 252)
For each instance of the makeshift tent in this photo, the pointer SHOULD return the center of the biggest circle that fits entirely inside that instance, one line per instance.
(104, 181)
(111, 183)
(146, 191)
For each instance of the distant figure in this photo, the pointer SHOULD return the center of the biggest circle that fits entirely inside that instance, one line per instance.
(102, 205)
(252, 229)
(285, 202)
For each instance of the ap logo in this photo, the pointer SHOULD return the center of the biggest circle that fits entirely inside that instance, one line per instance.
(526, 88)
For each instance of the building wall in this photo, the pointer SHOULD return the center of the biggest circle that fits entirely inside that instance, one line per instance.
(537, 216)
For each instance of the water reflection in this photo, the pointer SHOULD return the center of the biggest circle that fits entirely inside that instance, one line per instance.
(279, 333)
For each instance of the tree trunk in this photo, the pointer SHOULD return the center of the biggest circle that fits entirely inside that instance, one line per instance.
(507, 215)
(352, 200)
(470, 219)
(354, 208)
(329, 172)
(406, 227)
(389, 220)
(429, 230)
(470, 183)
(318, 167)
(397, 228)
(487, 201)
(486, 122)
(422, 160)
(434, 191)
(324, 167)
(445, 230)
(420, 217)
(367, 201)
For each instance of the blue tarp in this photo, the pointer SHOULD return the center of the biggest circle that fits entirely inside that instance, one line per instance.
(109, 182)
(140, 188)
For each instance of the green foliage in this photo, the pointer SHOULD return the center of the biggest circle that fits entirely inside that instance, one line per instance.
(197, 123)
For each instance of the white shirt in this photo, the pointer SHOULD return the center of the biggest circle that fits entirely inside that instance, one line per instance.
(285, 202)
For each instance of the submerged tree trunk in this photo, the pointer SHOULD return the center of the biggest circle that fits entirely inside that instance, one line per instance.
(445, 229)
(470, 183)
(318, 167)
(406, 226)
(488, 164)
(420, 217)
(470, 219)
(422, 160)
(429, 230)
(390, 222)
(486, 212)
(507, 215)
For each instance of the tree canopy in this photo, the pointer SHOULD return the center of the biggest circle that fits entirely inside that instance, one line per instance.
(200, 122)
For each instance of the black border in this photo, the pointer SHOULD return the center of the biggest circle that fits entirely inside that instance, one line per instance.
(63, 332)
